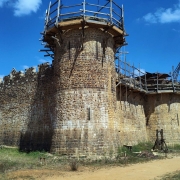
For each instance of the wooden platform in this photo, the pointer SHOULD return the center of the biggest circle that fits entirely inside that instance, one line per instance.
(88, 22)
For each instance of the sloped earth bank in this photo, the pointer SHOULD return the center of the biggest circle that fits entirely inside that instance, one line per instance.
(144, 171)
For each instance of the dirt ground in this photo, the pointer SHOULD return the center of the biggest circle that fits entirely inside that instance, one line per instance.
(144, 171)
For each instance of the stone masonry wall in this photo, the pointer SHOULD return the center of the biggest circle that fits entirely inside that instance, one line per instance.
(74, 107)
(163, 112)
(131, 119)
(16, 94)
(86, 93)
(27, 109)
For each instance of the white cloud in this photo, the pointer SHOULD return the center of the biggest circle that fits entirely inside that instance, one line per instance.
(139, 72)
(22, 7)
(150, 18)
(175, 30)
(43, 61)
(162, 15)
(1, 76)
(25, 7)
(25, 67)
(2, 2)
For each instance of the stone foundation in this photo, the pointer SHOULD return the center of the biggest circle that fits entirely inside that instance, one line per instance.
(74, 107)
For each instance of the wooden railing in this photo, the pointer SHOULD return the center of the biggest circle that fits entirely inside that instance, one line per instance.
(133, 77)
(110, 12)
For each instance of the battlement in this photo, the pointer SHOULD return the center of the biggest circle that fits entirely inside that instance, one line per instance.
(87, 101)
(30, 74)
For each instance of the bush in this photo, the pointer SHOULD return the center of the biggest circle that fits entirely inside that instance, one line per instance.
(74, 164)
(174, 176)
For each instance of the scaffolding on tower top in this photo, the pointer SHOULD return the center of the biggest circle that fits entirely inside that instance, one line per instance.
(110, 13)
(60, 18)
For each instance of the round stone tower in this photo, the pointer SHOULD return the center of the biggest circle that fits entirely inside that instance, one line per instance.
(85, 78)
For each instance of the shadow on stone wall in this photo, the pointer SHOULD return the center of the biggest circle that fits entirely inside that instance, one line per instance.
(39, 132)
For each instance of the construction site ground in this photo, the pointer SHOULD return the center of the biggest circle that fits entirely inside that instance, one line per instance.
(151, 170)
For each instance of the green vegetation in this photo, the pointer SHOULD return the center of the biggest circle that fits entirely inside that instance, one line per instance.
(175, 148)
(139, 153)
(171, 176)
(147, 146)
(11, 159)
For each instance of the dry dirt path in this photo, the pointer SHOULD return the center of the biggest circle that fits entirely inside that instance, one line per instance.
(144, 171)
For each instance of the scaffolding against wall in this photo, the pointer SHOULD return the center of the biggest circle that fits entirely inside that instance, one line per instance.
(107, 16)
(175, 73)
(129, 75)
(139, 80)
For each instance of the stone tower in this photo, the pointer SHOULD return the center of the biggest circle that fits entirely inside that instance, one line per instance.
(83, 49)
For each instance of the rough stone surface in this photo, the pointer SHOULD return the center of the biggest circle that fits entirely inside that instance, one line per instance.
(131, 116)
(74, 107)
(163, 112)
(86, 100)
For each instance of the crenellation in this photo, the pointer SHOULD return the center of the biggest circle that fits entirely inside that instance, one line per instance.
(1, 82)
(30, 71)
(6, 80)
(74, 106)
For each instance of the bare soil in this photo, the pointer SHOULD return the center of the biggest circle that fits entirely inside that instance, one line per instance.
(143, 171)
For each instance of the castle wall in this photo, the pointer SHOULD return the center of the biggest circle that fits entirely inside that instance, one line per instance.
(131, 119)
(163, 112)
(86, 93)
(37, 112)
(16, 94)
(27, 109)
(74, 106)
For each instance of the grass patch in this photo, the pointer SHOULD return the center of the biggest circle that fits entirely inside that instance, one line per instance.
(175, 149)
(171, 176)
(139, 153)
(11, 159)
(124, 156)
(147, 146)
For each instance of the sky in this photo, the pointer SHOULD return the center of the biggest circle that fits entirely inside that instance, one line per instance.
(153, 28)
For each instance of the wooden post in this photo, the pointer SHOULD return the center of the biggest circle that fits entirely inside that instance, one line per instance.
(173, 78)
(47, 16)
(84, 9)
(122, 15)
(134, 77)
(157, 82)
(125, 66)
(140, 77)
(111, 15)
(58, 12)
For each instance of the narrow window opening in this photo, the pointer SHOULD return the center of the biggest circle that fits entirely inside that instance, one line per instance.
(69, 50)
(88, 114)
(177, 119)
(118, 93)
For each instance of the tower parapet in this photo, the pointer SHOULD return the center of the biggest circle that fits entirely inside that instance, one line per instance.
(59, 19)
(82, 41)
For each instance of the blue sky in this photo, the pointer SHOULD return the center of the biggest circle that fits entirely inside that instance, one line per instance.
(153, 27)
